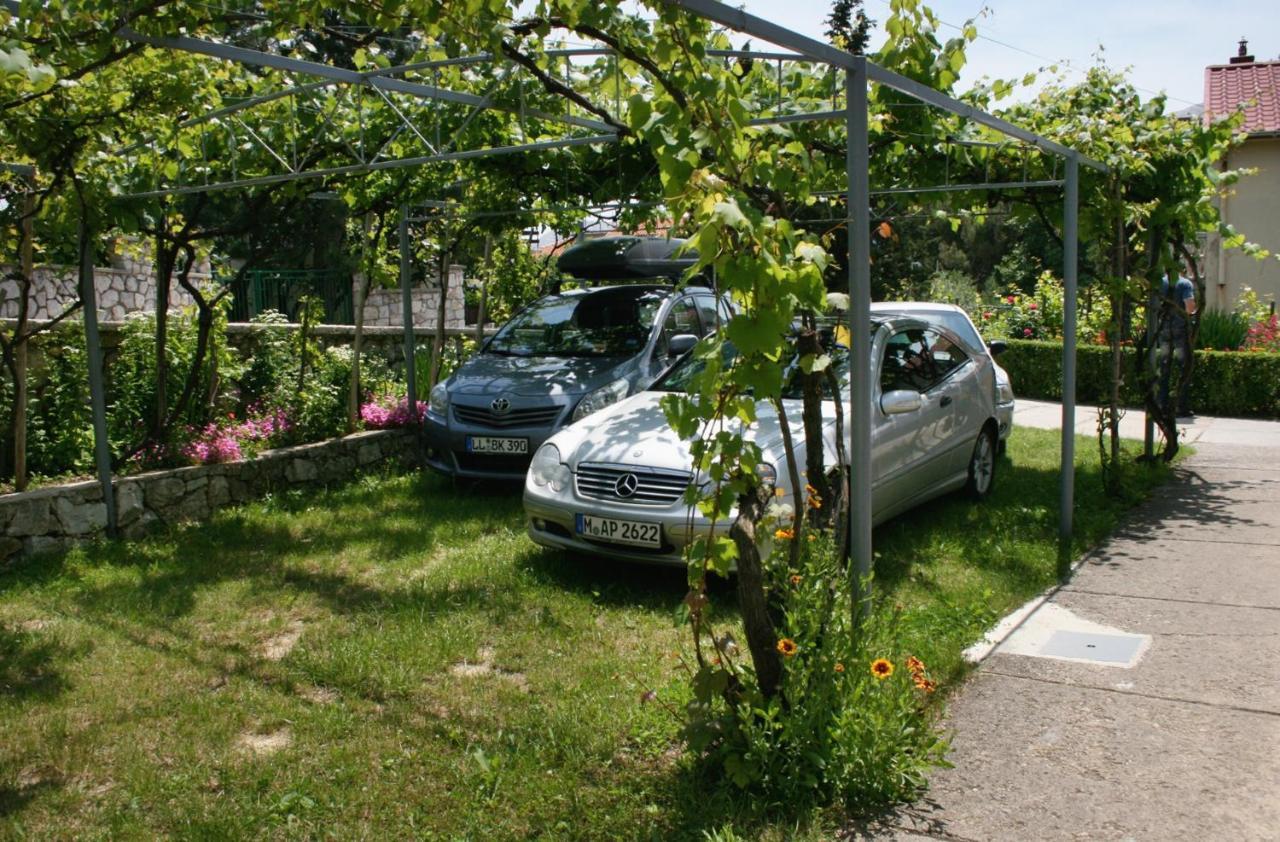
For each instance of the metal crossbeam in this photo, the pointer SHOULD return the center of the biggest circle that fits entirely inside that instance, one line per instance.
(372, 79)
(962, 109)
(740, 21)
(357, 169)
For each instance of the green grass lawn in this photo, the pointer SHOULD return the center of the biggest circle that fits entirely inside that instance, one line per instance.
(396, 659)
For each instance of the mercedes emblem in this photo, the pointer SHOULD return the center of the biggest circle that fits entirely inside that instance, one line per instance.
(500, 406)
(626, 485)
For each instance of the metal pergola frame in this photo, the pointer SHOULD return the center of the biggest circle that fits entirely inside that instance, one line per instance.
(859, 74)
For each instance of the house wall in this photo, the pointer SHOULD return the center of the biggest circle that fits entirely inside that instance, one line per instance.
(1253, 207)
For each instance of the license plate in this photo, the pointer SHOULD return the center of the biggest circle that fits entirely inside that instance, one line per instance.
(633, 532)
(495, 444)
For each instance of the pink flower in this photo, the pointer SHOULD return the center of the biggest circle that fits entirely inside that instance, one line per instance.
(1012, 299)
(1026, 331)
(383, 412)
(987, 315)
(1032, 305)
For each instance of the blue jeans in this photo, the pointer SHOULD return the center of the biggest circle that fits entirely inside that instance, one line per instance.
(1170, 357)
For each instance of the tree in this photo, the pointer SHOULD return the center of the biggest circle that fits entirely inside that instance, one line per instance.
(848, 26)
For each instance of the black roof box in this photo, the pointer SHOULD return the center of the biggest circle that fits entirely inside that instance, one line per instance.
(627, 258)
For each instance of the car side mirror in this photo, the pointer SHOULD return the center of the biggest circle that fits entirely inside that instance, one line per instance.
(901, 401)
(997, 347)
(681, 343)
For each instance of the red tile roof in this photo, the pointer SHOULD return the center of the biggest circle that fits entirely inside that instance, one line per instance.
(1255, 85)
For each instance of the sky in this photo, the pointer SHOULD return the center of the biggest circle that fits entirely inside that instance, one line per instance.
(1166, 43)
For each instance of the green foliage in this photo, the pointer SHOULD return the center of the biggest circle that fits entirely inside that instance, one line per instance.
(1235, 384)
(836, 731)
(59, 426)
(955, 287)
(1221, 330)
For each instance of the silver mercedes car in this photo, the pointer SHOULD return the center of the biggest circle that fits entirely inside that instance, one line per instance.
(613, 484)
(958, 320)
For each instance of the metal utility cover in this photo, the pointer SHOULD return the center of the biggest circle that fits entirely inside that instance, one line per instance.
(1113, 649)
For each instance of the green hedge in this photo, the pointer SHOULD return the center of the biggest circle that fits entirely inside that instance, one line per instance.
(1226, 383)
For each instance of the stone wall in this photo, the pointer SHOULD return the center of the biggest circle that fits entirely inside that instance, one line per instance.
(128, 288)
(385, 307)
(59, 516)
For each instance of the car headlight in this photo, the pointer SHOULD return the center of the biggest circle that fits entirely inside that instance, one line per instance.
(1005, 388)
(600, 398)
(547, 471)
(438, 403)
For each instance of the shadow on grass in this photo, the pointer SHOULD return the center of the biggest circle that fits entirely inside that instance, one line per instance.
(14, 799)
(27, 671)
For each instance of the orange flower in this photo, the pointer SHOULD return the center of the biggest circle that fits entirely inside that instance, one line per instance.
(928, 685)
(784, 533)
(795, 579)
(915, 665)
(787, 647)
(882, 668)
(839, 667)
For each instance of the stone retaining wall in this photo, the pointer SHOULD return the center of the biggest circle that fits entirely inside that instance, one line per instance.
(130, 288)
(385, 307)
(59, 516)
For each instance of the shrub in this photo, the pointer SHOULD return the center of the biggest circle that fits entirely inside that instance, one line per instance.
(951, 286)
(229, 440)
(1221, 330)
(59, 421)
(1264, 336)
(387, 411)
(1222, 383)
(852, 721)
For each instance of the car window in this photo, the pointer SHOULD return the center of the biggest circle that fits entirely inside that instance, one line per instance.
(683, 318)
(707, 310)
(682, 376)
(606, 322)
(918, 359)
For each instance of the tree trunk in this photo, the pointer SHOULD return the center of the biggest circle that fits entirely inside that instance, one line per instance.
(811, 384)
(762, 638)
(793, 474)
(166, 257)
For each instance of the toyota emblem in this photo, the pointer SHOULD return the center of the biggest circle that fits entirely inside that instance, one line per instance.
(626, 485)
(500, 406)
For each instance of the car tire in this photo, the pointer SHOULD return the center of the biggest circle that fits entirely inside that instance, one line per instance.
(982, 465)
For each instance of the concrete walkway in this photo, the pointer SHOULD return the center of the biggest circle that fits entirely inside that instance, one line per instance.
(1141, 700)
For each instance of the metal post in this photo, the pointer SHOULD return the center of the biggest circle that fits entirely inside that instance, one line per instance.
(20, 343)
(97, 387)
(1070, 248)
(481, 315)
(406, 298)
(859, 243)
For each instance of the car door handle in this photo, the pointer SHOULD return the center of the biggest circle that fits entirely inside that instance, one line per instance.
(946, 401)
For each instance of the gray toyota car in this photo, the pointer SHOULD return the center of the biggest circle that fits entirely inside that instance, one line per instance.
(566, 356)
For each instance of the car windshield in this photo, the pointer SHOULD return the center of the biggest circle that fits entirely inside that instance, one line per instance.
(603, 323)
(681, 376)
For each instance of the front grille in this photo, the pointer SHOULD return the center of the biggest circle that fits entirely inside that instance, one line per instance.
(482, 416)
(493, 463)
(654, 486)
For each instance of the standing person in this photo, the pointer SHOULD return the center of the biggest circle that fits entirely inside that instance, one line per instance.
(1173, 306)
